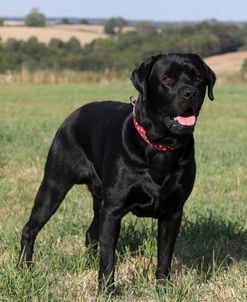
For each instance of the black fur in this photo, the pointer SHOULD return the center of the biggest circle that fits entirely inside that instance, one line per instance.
(98, 145)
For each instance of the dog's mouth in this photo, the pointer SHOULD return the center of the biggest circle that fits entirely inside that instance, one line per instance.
(183, 123)
(187, 118)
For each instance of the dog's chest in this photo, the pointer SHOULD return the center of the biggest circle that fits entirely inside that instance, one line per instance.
(154, 195)
(162, 166)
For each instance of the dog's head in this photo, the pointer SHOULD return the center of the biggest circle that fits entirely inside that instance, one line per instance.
(172, 88)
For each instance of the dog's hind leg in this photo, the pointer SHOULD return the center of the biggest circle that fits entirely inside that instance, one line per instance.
(66, 165)
(50, 195)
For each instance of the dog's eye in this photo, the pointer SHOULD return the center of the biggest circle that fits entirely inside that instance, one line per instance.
(168, 80)
(197, 78)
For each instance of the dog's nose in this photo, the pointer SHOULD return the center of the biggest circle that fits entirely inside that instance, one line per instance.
(190, 94)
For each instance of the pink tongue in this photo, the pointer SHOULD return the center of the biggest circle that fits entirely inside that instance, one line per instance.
(186, 121)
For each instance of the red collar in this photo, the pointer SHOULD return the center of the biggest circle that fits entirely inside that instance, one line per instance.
(143, 133)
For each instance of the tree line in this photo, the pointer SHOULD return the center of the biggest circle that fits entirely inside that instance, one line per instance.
(122, 51)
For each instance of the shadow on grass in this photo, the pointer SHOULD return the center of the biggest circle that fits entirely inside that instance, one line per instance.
(205, 244)
(136, 234)
(211, 243)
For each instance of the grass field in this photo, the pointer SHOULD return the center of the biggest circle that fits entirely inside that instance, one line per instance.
(210, 260)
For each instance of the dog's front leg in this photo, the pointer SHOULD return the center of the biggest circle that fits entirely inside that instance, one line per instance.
(167, 234)
(109, 231)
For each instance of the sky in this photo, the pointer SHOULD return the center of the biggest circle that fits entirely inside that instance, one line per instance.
(156, 10)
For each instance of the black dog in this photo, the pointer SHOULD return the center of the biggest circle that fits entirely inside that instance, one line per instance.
(140, 161)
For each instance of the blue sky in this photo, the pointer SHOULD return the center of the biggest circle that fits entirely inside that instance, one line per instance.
(159, 10)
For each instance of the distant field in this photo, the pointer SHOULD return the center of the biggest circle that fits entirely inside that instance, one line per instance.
(210, 260)
(227, 66)
(84, 33)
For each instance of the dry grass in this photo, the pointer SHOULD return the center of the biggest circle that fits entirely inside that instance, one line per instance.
(61, 77)
(84, 33)
(228, 66)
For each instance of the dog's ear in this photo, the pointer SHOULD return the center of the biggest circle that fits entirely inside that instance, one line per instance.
(211, 78)
(140, 75)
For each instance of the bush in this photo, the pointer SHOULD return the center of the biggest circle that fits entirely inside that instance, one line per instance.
(35, 18)
(123, 51)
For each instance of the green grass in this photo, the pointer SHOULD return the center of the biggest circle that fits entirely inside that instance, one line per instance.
(210, 259)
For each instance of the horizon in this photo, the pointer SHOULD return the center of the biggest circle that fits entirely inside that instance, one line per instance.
(137, 10)
(9, 18)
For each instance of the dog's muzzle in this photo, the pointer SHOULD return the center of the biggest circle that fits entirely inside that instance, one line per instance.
(183, 123)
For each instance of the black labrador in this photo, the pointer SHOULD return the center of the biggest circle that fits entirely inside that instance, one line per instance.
(135, 158)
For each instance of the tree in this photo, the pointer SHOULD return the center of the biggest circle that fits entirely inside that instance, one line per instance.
(35, 18)
(73, 45)
(120, 23)
(32, 47)
(115, 25)
(34, 53)
(1, 21)
(110, 27)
